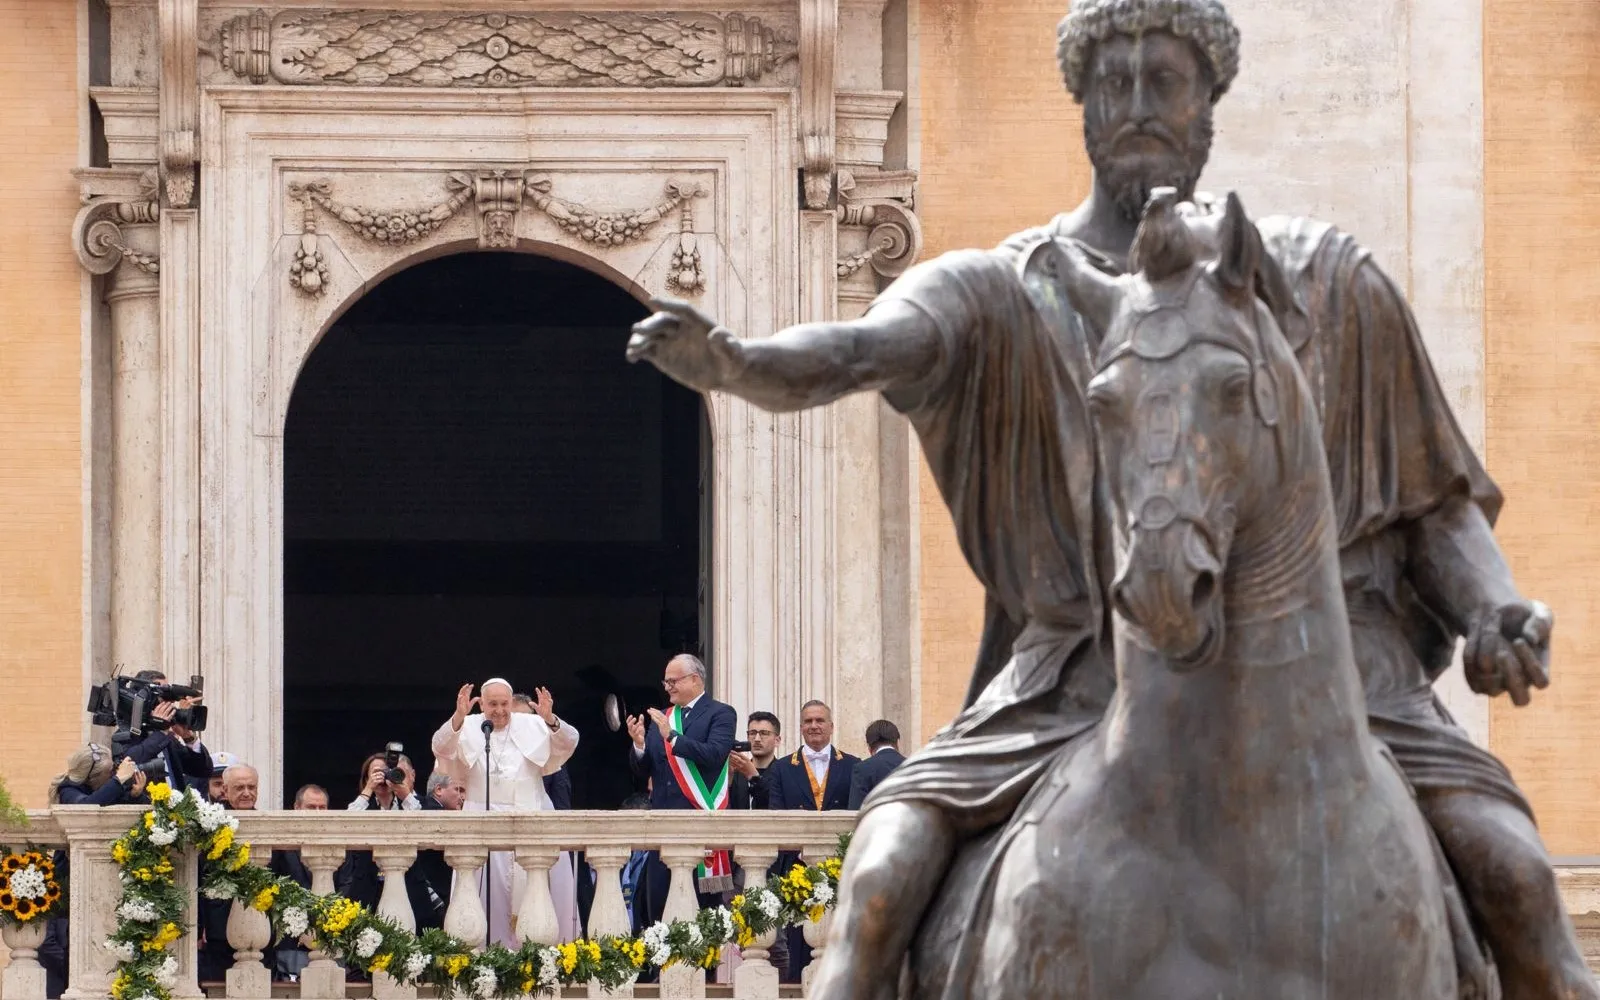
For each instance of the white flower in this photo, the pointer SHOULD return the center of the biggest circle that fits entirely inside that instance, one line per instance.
(220, 889)
(123, 950)
(137, 909)
(724, 918)
(294, 922)
(367, 942)
(167, 973)
(693, 931)
(161, 835)
(233, 823)
(661, 956)
(770, 904)
(821, 895)
(28, 882)
(549, 967)
(210, 815)
(484, 983)
(655, 936)
(416, 963)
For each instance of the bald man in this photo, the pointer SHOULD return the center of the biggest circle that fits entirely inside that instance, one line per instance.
(521, 750)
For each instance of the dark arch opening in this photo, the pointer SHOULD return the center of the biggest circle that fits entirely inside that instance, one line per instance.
(476, 484)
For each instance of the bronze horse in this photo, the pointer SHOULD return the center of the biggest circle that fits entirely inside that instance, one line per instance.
(1231, 829)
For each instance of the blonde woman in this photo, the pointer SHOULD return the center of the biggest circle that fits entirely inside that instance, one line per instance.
(88, 780)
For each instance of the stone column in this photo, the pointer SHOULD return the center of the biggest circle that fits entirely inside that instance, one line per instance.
(679, 982)
(756, 978)
(609, 914)
(322, 978)
(116, 235)
(465, 919)
(395, 905)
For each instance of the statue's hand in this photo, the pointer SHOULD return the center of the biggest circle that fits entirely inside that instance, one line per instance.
(1508, 650)
(687, 345)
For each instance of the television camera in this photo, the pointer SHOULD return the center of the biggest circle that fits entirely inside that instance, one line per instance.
(125, 703)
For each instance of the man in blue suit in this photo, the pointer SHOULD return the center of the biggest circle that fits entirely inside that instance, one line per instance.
(817, 777)
(684, 752)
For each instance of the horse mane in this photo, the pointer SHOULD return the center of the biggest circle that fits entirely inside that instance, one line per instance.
(1163, 245)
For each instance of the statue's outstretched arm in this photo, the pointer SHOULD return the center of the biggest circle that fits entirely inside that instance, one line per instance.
(803, 366)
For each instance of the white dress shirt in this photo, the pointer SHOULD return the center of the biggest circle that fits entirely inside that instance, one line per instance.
(818, 761)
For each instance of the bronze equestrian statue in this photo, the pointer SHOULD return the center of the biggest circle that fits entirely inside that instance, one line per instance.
(1232, 829)
(991, 368)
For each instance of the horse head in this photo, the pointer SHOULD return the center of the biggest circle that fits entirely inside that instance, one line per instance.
(1197, 406)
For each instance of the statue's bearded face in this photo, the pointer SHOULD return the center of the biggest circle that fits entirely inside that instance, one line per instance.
(1147, 116)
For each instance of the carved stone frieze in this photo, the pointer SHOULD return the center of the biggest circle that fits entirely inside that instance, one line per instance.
(98, 232)
(374, 48)
(179, 99)
(819, 21)
(882, 203)
(498, 195)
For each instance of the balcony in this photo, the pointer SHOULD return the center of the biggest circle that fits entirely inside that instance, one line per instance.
(322, 838)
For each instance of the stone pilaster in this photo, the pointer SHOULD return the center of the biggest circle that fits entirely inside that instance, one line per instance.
(116, 234)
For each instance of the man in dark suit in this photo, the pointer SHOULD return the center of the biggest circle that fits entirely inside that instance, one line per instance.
(684, 752)
(883, 756)
(817, 777)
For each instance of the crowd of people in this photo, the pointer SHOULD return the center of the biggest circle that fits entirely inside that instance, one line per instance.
(503, 750)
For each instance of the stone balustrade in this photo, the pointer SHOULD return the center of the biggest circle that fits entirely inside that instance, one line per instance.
(465, 838)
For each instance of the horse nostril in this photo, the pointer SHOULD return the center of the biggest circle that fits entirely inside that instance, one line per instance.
(1205, 584)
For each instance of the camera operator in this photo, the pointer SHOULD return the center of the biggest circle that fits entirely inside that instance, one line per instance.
(388, 780)
(167, 735)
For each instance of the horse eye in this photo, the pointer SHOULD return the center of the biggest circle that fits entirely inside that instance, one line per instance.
(1236, 391)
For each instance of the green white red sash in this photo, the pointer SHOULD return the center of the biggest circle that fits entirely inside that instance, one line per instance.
(716, 873)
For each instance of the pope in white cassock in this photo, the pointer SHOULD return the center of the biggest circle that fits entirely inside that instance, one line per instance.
(522, 749)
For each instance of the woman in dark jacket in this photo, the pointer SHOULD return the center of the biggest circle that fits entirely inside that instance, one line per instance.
(87, 781)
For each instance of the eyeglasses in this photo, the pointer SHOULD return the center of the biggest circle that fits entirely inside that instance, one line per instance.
(753, 733)
(671, 682)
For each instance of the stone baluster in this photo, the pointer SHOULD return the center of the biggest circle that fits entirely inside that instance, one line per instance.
(187, 950)
(249, 931)
(94, 892)
(24, 976)
(465, 919)
(536, 911)
(117, 234)
(609, 915)
(395, 905)
(321, 979)
(815, 932)
(755, 978)
(679, 982)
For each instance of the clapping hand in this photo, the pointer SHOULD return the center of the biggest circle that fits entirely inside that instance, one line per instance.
(636, 731)
(662, 720)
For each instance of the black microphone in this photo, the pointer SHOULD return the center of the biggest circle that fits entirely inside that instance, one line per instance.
(487, 727)
(488, 893)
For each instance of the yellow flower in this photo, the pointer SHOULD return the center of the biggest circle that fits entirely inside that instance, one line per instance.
(815, 913)
(569, 957)
(339, 916)
(380, 962)
(241, 859)
(527, 986)
(119, 853)
(265, 898)
(710, 961)
(159, 792)
(832, 866)
(149, 820)
(168, 933)
(636, 953)
(120, 985)
(220, 842)
(453, 964)
(593, 950)
(527, 970)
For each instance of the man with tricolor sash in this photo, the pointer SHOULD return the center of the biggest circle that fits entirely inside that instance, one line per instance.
(684, 751)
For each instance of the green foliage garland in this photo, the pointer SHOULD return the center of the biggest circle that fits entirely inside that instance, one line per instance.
(150, 918)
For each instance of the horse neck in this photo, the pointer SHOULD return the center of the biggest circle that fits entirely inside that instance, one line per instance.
(1284, 685)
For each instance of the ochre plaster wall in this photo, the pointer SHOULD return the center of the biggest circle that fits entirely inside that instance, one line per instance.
(1542, 241)
(41, 509)
(1002, 149)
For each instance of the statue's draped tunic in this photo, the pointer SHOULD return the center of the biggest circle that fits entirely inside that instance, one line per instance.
(1004, 428)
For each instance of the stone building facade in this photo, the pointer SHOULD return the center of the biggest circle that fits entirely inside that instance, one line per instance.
(198, 191)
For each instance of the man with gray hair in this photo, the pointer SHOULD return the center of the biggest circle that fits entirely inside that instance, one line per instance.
(981, 353)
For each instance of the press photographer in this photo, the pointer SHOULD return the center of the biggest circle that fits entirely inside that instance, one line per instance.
(388, 781)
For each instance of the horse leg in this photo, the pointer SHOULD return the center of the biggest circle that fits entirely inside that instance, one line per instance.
(1506, 876)
(897, 856)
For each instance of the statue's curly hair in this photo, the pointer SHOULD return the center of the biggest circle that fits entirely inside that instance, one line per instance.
(1204, 22)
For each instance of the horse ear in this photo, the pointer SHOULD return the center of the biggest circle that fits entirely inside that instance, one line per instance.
(1239, 249)
(1092, 292)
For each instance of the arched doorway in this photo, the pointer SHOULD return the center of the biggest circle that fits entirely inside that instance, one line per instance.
(476, 484)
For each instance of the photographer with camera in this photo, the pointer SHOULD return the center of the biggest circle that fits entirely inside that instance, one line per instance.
(388, 782)
(155, 720)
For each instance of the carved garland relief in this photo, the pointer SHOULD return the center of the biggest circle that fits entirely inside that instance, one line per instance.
(498, 195)
(376, 48)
